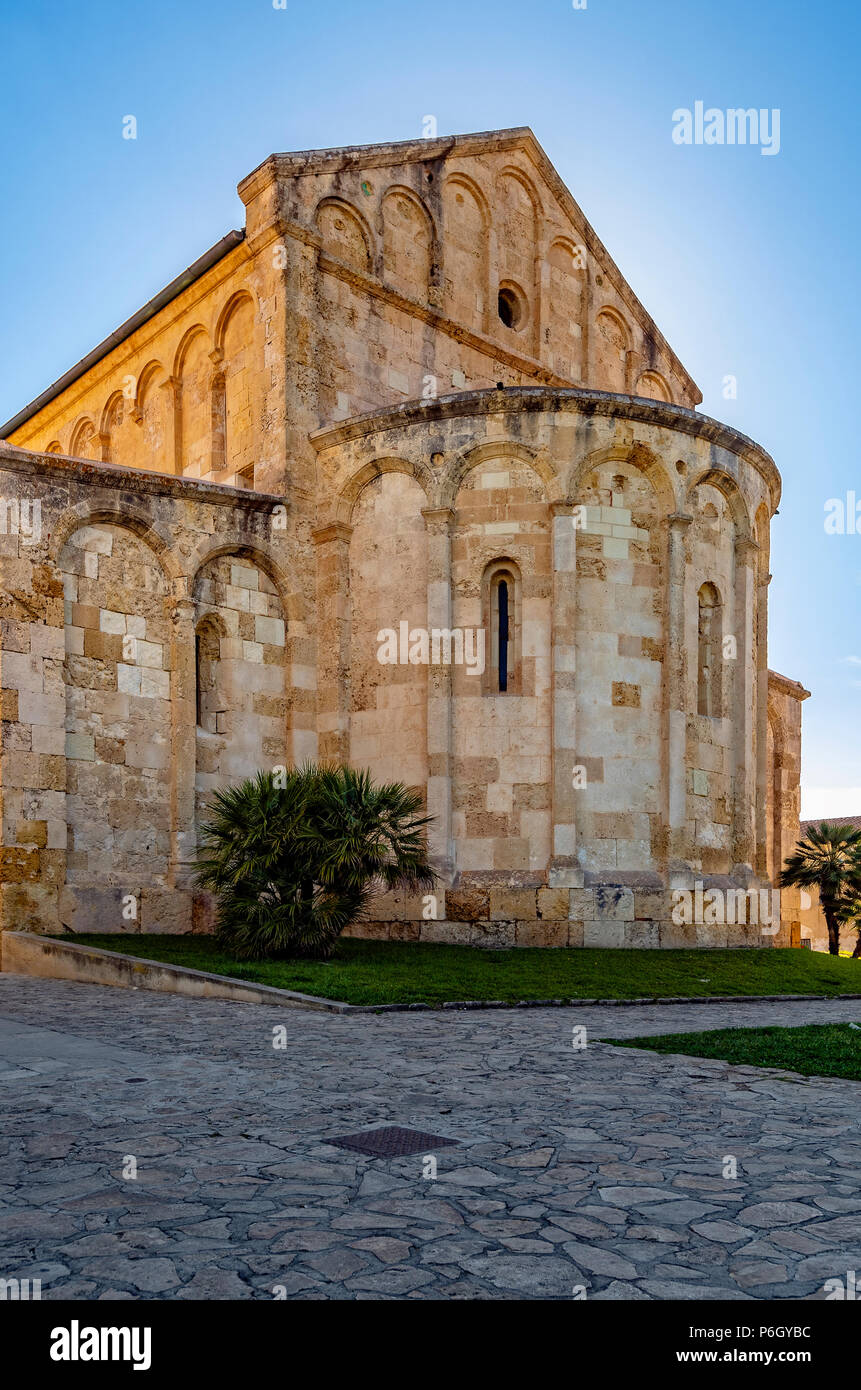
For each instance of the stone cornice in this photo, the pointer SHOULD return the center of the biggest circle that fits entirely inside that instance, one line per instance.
(56, 467)
(569, 400)
(333, 531)
(787, 686)
(435, 318)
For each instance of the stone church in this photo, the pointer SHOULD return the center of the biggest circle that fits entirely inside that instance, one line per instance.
(401, 474)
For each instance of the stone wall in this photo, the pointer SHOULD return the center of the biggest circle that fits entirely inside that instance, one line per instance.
(301, 446)
(572, 806)
(104, 764)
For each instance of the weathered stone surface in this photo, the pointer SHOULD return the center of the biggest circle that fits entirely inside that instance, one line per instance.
(234, 525)
(511, 1213)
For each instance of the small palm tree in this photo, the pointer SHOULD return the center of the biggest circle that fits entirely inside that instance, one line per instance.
(294, 859)
(849, 914)
(828, 858)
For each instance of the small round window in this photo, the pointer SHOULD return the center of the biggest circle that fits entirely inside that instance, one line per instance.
(511, 307)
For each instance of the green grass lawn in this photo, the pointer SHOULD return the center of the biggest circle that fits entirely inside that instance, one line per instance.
(818, 1049)
(383, 972)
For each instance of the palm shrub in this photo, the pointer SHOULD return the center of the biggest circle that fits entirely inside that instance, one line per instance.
(849, 915)
(828, 858)
(294, 859)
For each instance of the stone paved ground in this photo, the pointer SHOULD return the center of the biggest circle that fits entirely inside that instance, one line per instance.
(601, 1168)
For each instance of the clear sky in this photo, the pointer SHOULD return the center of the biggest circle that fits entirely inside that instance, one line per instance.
(747, 261)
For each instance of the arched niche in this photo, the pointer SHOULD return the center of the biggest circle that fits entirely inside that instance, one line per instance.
(234, 391)
(466, 220)
(85, 441)
(242, 723)
(153, 413)
(193, 372)
(655, 386)
(565, 308)
(117, 684)
(408, 243)
(389, 642)
(612, 342)
(344, 234)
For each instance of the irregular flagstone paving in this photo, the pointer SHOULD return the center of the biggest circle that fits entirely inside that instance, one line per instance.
(596, 1172)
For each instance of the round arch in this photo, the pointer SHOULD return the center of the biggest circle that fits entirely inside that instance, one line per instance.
(146, 377)
(243, 296)
(349, 491)
(114, 399)
(638, 456)
(539, 460)
(355, 216)
(208, 549)
(185, 342)
(84, 515)
(82, 429)
(607, 312)
(729, 489)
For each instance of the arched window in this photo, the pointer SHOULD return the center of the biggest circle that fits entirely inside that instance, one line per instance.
(709, 653)
(501, 609)
(211, 708)
(502, 632)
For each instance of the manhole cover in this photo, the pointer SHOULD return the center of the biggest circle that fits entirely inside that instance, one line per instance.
(391, 1142)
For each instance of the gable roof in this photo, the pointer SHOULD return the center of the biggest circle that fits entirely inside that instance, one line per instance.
(312, 162)
(854, 821)
(125, 330)
(305, 163)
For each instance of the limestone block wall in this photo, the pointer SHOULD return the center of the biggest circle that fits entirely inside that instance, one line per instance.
(388, 587)
(117, 676)
(242, 724)
(501, 743)
(110, 579)
(800, 916)
(620, 766)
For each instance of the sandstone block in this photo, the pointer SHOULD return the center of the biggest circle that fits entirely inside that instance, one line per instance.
(605, 933)
(513, 903)
(614, 902)
(467, 904)
(553, 904)
(544, 933)
(626, 695)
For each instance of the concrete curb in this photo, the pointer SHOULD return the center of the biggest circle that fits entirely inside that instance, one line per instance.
(25, 953)
(604, 1003)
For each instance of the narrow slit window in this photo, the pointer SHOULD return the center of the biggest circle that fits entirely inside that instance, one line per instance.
(198, 691)
(709, 655)
(503, 633)
(500, 606)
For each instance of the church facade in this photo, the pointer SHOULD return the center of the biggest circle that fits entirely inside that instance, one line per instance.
(402, 475)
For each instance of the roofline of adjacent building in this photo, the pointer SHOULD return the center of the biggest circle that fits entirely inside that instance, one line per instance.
(137, 481)
(788, 686)
(137, 320)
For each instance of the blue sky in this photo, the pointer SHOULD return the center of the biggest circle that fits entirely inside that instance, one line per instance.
(748, 262)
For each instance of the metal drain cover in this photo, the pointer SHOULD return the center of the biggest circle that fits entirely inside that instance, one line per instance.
(391, 1142)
